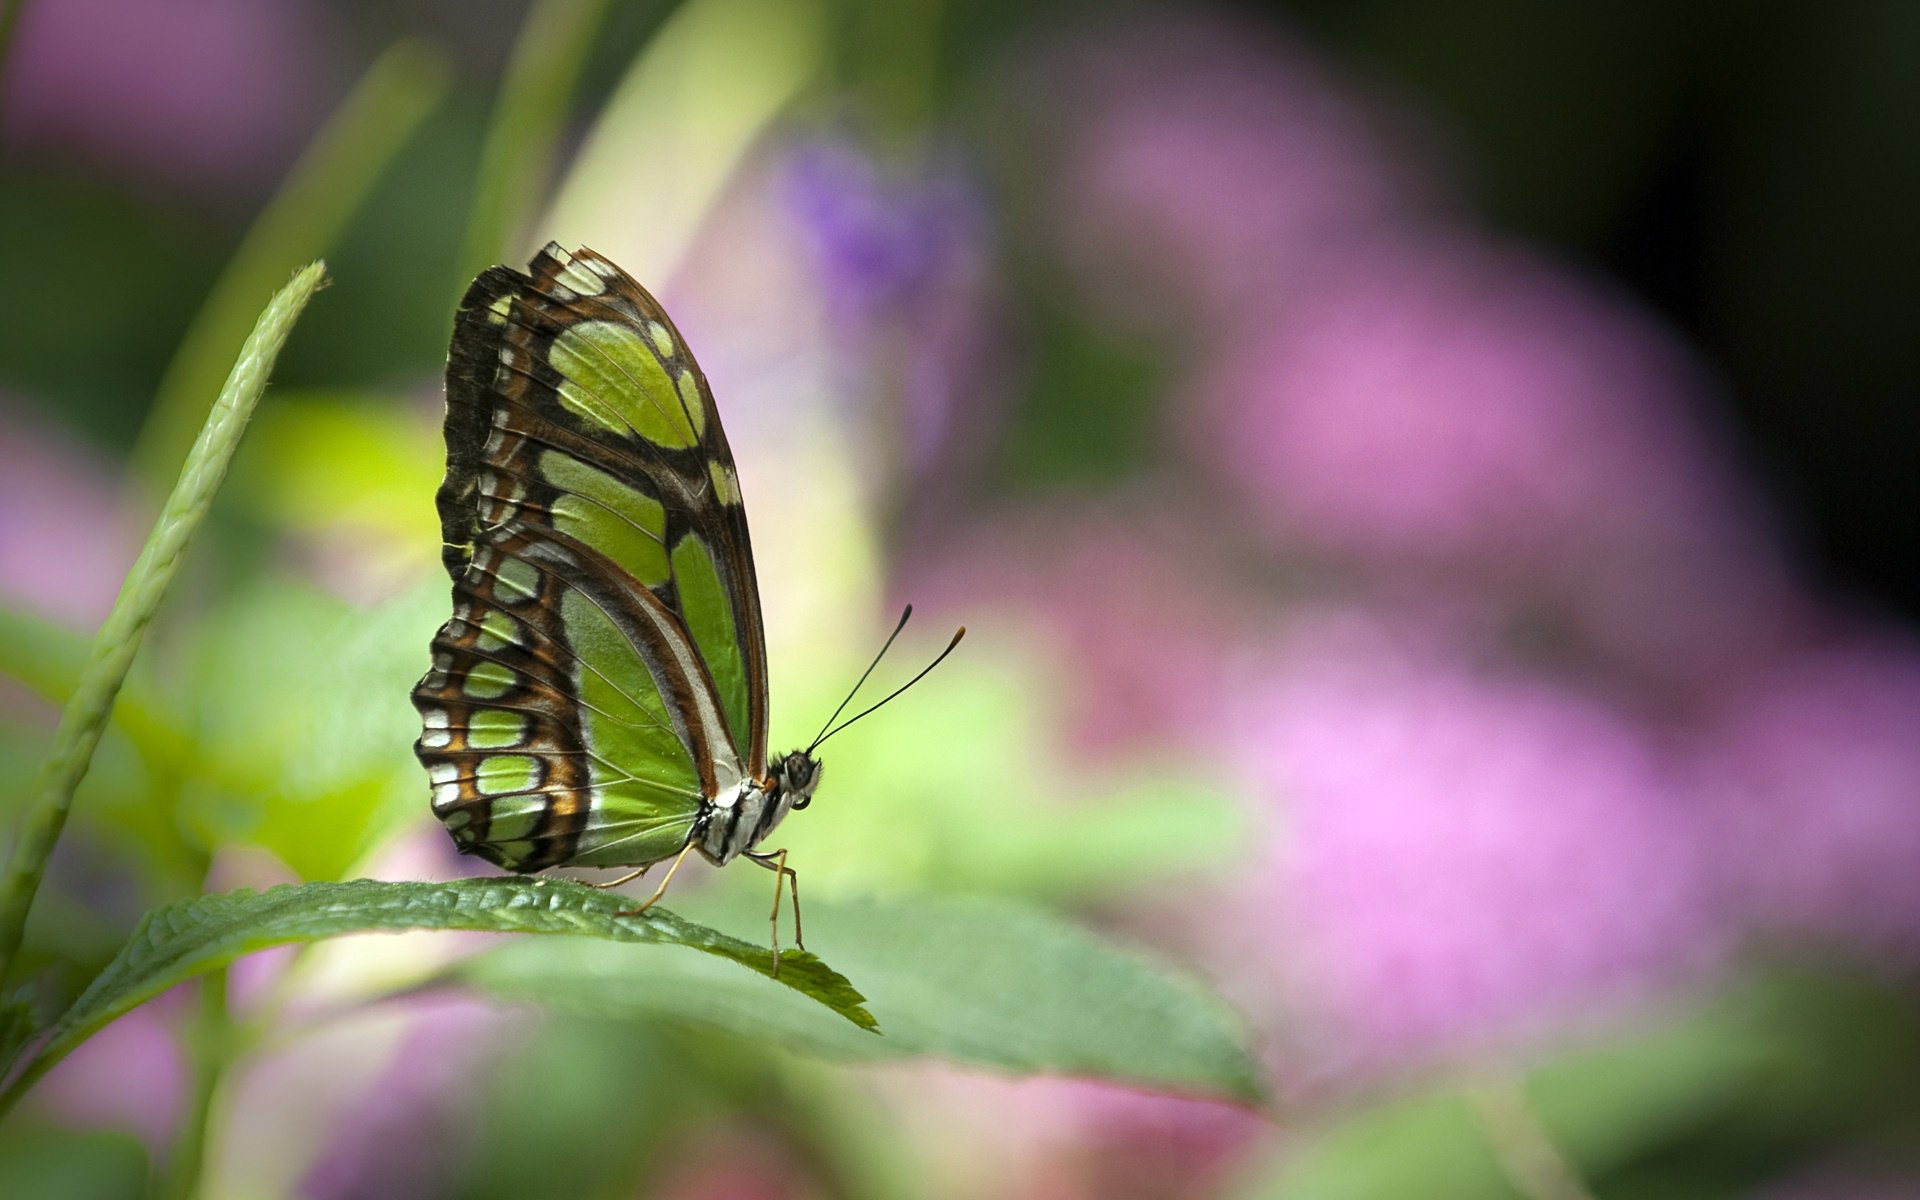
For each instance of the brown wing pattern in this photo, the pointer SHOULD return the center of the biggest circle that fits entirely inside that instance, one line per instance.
(504, 385)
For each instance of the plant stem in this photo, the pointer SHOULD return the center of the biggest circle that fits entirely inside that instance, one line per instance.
(212, 1044)
(86, 712)
(1525, 1151)
(329, 183)
(666, 135)
(555, 41)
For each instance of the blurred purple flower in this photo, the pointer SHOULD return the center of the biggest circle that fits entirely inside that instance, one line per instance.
(1440, 402)
(881, 239)
(130, 1076)
(206, 93)
(1209, 160)
(899, 255)
(404, 1134)
(1471, 858)
(68, 532)
(1813, 766)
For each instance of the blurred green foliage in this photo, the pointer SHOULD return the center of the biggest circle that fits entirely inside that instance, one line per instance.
(1761, 1080)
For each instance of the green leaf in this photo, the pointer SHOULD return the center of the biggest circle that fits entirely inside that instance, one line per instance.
(65, 1164)
(179, 941)
(16, 1027)
(47, 657)
(324, 773)
(1762, 1071)
(986, 982)
(327, 460)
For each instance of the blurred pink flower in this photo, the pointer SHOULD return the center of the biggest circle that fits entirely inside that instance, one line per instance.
(1443, 403)
(1470, 857)
(1130, 601)
(1813, 766)
(206, 93)
(1124, 1143)
(726, 1162)
(130, 1076)
(402, 1137)
(1073, 1139)
(1207, 160)
(68, 532)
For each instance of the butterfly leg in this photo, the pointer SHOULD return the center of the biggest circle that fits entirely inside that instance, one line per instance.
(662, 889)
(629, 877)
(776, 861)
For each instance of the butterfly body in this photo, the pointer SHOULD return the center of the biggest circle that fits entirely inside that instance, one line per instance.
(729, 830)
(599, 696)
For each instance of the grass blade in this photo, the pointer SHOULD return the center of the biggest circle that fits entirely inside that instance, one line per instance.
(114, 647)
(302, 222)
(555, 41)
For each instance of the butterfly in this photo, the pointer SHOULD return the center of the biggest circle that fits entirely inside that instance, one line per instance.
(599, 696)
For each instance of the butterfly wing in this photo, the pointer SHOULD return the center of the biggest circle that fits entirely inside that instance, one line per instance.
(603, 676)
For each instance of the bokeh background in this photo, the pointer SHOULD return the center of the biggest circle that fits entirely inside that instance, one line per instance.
(1431, 489)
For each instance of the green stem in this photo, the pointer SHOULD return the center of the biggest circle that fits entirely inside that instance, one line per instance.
(1527, 1155)
(213, 1045)
(699, 96)
(146, 584)
(555, 41)
(304, 219)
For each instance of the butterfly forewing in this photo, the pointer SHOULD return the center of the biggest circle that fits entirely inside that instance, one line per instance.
(602, 678)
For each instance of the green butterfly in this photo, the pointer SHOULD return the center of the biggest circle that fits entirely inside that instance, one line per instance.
(599, 697)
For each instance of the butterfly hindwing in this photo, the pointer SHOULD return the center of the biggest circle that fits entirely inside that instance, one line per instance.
(603, 676)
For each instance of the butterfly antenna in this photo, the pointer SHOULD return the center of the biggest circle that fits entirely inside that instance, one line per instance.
(958, 634)
(822, 735)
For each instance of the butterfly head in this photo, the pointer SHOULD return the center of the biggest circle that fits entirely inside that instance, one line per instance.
(796, 775)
